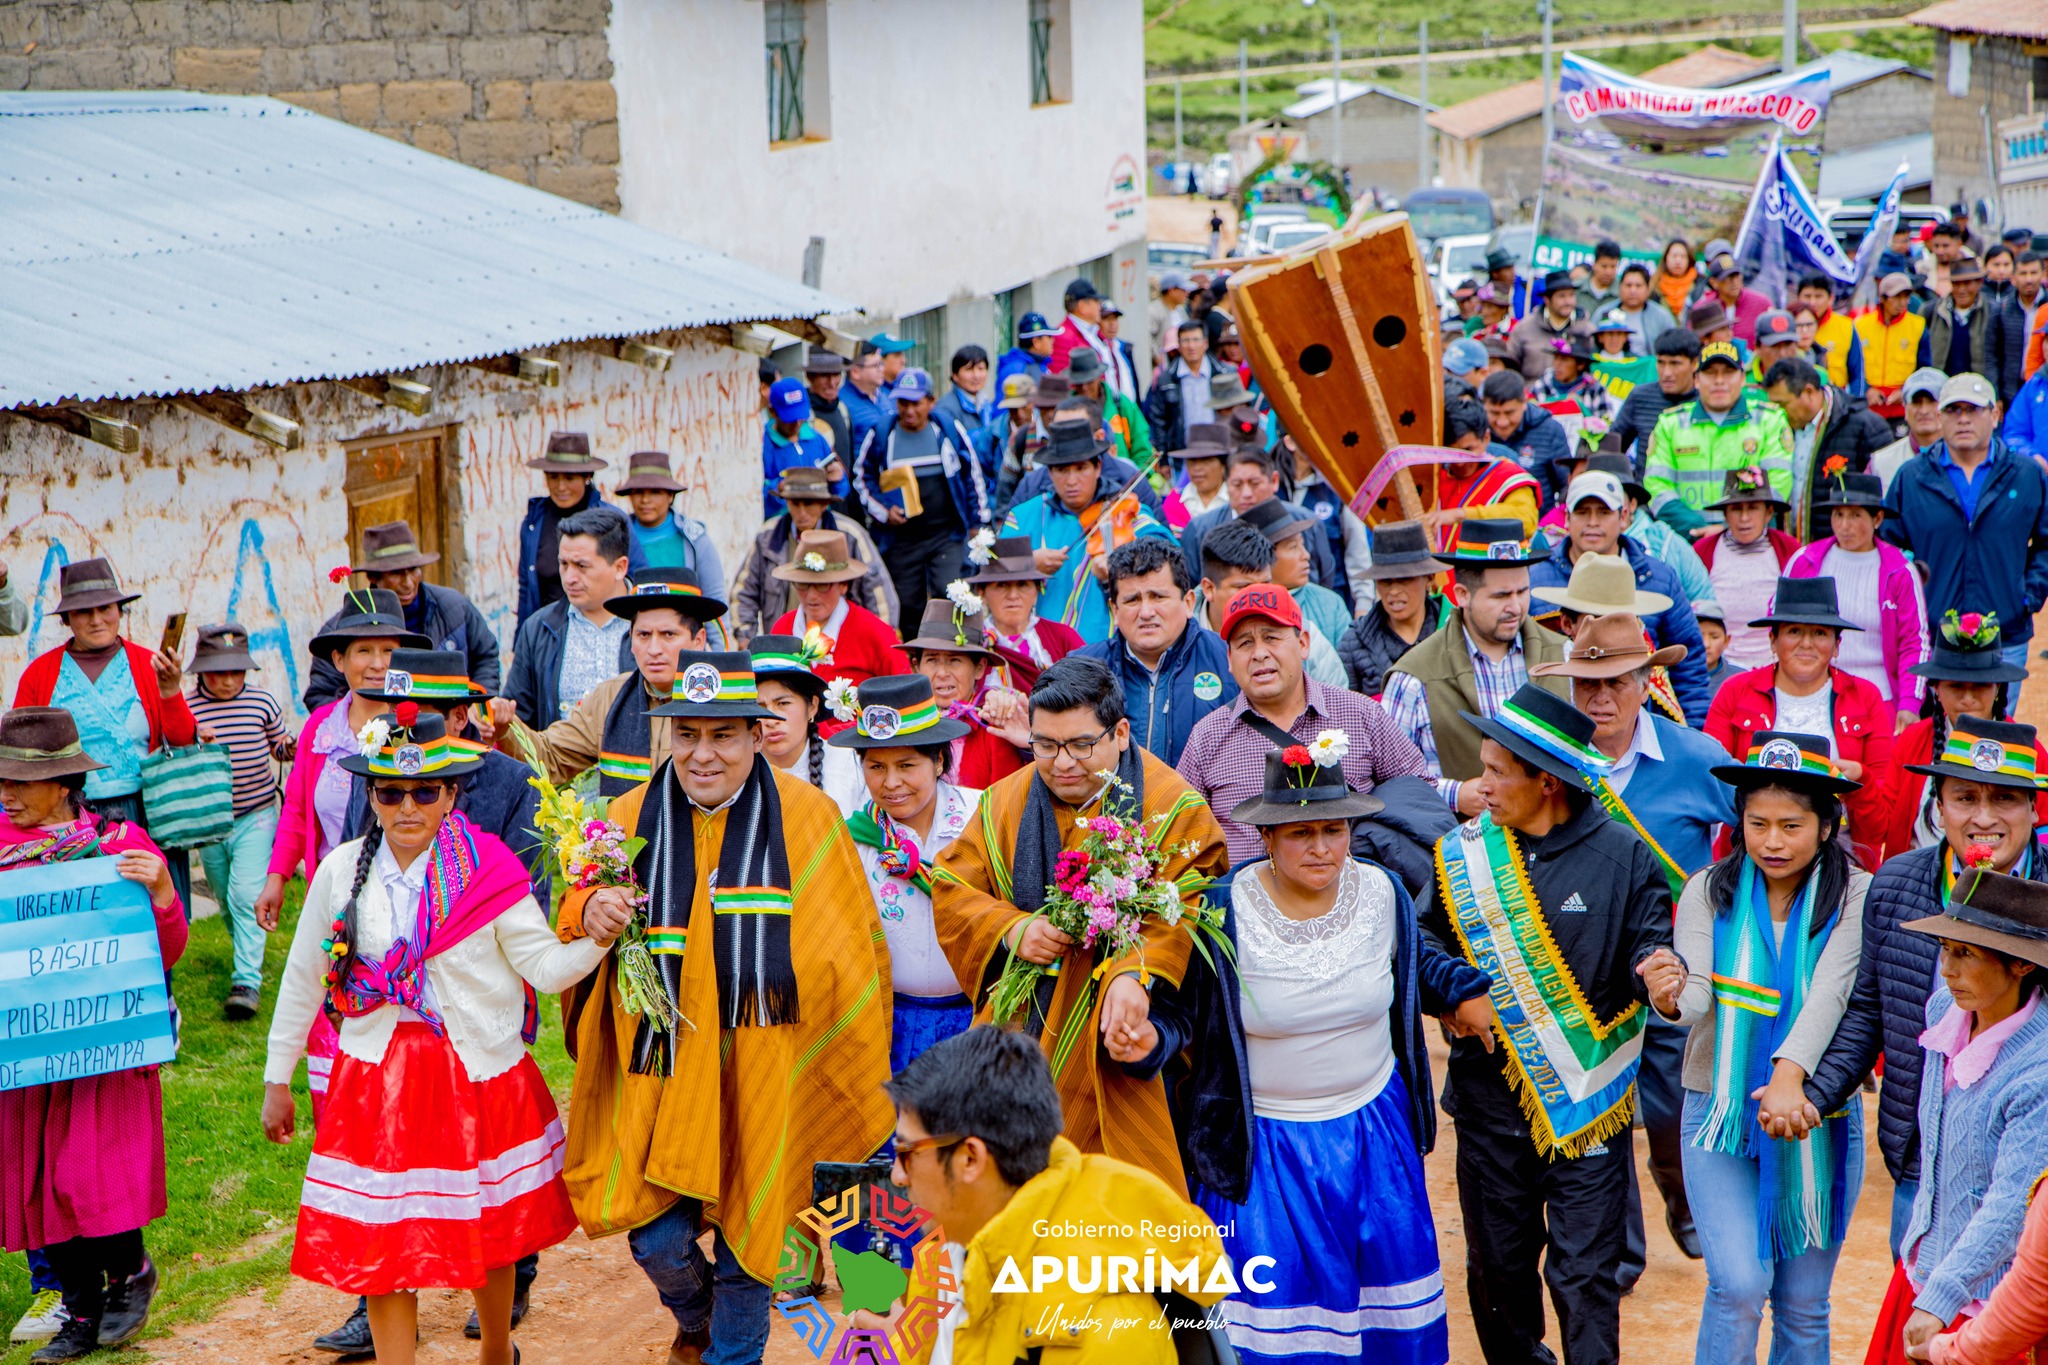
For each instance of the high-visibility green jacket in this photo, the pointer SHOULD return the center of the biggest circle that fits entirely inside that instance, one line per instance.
(1691, 454)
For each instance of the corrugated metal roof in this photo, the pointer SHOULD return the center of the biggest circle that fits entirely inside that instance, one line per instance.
(1865, 172)
(164, 242)
(2002, 18)
(1847, 68)
(1709, 67)
(1317, 97)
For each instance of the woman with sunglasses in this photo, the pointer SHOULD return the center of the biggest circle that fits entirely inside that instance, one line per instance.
(425, 937)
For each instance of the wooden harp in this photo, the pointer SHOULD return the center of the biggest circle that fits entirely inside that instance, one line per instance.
(1343, 339)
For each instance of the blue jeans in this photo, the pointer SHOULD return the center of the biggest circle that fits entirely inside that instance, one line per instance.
(1903, 1195)
(234, 869)
(1722, 1190)
(2016, 655)
(731, 1302)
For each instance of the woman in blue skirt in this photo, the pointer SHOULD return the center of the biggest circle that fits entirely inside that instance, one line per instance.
(1327, 995)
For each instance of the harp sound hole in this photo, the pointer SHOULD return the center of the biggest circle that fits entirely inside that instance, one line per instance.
(1389, 331)
(1350, 438)
(1315, 358)
(1408, 418)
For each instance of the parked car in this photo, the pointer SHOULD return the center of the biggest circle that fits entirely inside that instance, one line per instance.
(1456, 258)
(1251, 239)
(1850, 221)
(1162, 258)
(1285, 237)
(1437, 212)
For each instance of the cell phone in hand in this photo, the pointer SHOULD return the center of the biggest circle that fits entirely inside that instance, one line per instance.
(174, 632)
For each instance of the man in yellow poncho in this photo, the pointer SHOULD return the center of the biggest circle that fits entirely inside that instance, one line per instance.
(978, 1145)
(989, 884)
(767, 946)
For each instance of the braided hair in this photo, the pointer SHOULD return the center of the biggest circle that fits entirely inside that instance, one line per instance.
(347, 935)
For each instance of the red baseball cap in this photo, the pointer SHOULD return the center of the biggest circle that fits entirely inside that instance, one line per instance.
(1267, 600)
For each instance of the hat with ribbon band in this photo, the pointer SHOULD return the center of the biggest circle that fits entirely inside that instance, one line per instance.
(89, 583)
(713, 684)
(820, 556)
(1546, 731)
(789, 660)
(1602, 585)
(392, 547)
(1783, 758)
(1491, 542)
(40, 744)
(2006, 914)
(1996, 753)
(673, 588)
(1609, 647)
(409, 742)
(949, 627)
(438, 677)
(1297, 788)
(898, 712)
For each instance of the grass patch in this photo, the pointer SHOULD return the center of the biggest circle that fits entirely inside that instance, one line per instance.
(234, 1196)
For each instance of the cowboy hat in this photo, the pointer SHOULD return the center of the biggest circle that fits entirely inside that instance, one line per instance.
(1782, 758)
(1607, 647)
(713, 685)
(898, 712)
(1806, 602)
(40, 744)
(1996, 753)
(1601, 585)
(820, 556)
(391, 547)
(676, 589)
(647, 472)
(1545, 731)
(89, 583)
(423, 748)
(1295, 792)
(1991, 910)
(433, 677)
(1009, 561)
(1491, 543)
(366, 614)
(568, 453)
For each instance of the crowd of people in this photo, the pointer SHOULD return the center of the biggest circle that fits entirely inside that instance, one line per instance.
(1669, 765)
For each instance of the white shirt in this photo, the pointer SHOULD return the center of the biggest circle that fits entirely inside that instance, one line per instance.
(1859, 586)
(1745, 577)
(477, 986)
(1643, 744)
(832, 626)
(843, 782)
(917, 964)
(1814, 715)
(1316, 995)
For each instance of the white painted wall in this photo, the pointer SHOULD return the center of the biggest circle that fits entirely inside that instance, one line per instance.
(938, 181)
(207, 520)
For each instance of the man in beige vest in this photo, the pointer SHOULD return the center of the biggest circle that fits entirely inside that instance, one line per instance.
(1475, 668)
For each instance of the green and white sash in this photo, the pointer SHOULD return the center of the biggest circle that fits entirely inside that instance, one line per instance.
(1760, 986)
(1574, 1075)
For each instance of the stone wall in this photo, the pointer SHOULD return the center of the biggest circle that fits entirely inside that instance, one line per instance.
(520, 88)
(216, 523)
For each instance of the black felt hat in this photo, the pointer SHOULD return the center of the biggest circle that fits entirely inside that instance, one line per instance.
(674, 588)
(366, 614)
(898, 712)
(1546, 731)
(1997, 753)
(713, 684)
(1492, 543)
(1400, 549)
(1783, 758)
(1806, 602)
(1293, 792)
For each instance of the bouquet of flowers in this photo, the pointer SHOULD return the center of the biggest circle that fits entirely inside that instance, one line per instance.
(1102, 895)
(590, 850)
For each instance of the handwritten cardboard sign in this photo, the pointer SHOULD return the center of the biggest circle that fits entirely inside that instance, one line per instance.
(81, 975)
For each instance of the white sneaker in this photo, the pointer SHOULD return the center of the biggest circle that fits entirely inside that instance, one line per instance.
(44, 1319)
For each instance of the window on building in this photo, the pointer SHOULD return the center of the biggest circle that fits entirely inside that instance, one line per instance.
(2040, 81)
(785, 70)
(1959, 51)
(1051, 66)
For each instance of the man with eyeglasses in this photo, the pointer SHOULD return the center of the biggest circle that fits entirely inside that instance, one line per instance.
(988, 888)
(978, 1145)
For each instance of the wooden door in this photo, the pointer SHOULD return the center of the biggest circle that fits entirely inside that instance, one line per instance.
(400, 479)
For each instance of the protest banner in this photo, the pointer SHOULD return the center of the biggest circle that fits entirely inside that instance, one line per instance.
(1783, 235)
(81, 975)
(1642, 163)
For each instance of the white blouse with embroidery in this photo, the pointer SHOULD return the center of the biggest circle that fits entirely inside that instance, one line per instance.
(917, 965)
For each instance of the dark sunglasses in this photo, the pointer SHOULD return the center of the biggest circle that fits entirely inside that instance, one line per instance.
(424, 794)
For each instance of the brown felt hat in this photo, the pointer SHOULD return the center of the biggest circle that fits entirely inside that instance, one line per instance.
(568, 453)
(821, 556)
(803, 483)
(1053, 390)
(1607, 647)
(946, 627)
(89, 583)
(40, 744)
(223, 649)
(1010, 561)
(2006, 914)
(392, 546)
(647, 472)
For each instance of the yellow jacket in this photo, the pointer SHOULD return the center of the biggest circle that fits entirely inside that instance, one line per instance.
(1082, 1210)
(1837, 334)
(1889, 353)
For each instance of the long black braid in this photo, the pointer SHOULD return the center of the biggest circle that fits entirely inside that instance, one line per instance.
(371, 843)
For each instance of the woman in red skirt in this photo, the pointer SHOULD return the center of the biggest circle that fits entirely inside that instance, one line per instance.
(438, 1158)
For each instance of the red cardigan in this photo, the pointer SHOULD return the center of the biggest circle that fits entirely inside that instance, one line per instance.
(170, 719)
(1748, 703)
(1785, 545)
(1915, 744)
(864, 648)
(1059, 640)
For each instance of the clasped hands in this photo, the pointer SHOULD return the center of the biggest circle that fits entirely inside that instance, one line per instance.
(1783, 1111)
(1128, 1033)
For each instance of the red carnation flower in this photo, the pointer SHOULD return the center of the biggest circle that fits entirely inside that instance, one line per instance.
(1970, 623)
(1979, 855)
(338, 574)
(407, 712)
(1297, 756)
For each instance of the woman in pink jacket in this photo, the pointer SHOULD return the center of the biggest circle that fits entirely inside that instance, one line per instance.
(1877, 588)
(359, 642)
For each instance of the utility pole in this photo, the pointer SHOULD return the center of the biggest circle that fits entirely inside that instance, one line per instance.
(1244, 103)
(1336, 96)
(1422, 114)
(1180, 171)
(1543, 7)
(1788, 56)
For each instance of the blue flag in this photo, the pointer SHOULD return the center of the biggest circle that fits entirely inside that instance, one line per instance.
(1783, 235)
(1875, 240)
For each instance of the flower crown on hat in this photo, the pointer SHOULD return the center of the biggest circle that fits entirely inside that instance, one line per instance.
(1971, 630)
